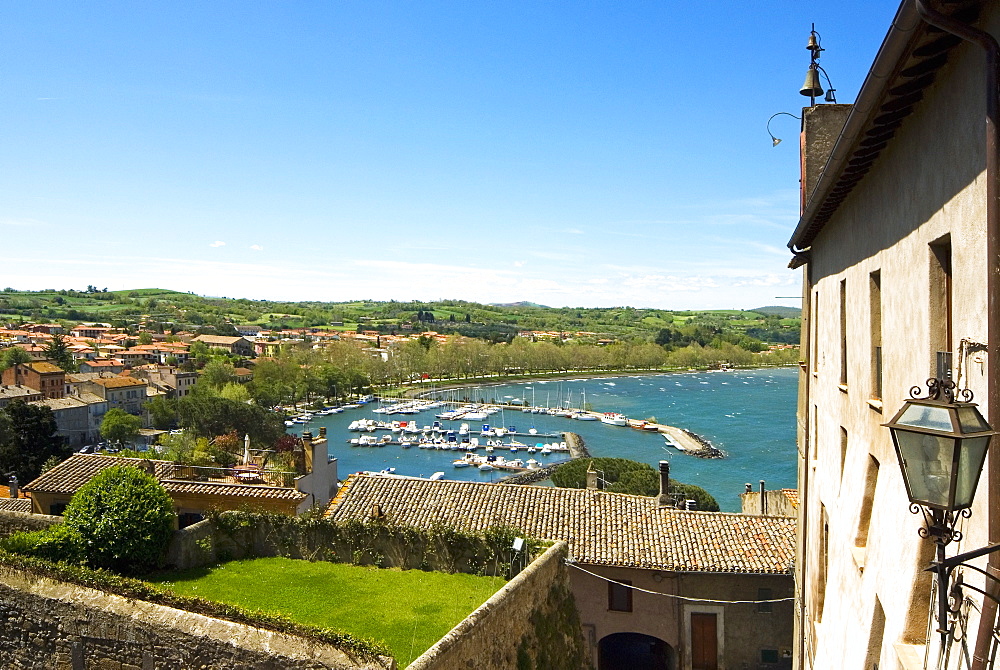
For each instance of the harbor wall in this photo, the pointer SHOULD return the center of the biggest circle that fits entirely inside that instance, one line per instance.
(532, 622)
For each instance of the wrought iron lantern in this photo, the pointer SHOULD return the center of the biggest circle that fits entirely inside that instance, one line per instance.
(941, 446)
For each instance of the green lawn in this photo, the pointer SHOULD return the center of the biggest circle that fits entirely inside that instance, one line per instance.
(408, 610)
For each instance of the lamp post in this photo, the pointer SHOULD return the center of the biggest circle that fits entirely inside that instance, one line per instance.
(941, 445)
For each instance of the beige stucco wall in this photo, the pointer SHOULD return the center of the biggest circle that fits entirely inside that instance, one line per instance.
(928, 183)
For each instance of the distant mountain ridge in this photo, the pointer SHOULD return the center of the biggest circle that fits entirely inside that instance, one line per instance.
(522, 303)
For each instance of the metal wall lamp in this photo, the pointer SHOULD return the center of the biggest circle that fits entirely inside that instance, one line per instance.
(941, 445)
(774, 140)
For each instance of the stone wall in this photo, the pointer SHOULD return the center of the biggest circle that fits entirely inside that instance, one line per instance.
(235, 536)
(531, 622)
(14, 522)
(46, 623)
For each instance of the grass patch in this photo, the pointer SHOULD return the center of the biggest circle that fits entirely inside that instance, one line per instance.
(408, 610)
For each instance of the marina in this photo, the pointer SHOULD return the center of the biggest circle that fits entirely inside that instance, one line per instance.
(748, 414)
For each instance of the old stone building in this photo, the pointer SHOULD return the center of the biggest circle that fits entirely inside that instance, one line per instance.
(898, 266)
(655, 587)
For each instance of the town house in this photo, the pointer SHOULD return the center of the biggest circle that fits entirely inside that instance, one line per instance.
(898, 248)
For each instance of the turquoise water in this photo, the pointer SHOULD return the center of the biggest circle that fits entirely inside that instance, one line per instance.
(749, 414)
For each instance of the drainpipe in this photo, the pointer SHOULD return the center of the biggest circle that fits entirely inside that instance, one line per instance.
(988, 44)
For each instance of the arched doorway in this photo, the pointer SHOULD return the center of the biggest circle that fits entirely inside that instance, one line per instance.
(634, 651)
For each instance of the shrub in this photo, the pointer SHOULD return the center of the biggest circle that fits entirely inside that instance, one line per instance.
(125, 519)
(59, 543)
(621, 475)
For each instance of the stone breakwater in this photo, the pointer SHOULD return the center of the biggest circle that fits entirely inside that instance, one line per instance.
(577, 449)
(707, 450)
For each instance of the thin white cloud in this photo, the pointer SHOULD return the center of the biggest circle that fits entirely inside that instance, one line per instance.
(256, 247)
(217, 243)
(22, 223)
(519, 264)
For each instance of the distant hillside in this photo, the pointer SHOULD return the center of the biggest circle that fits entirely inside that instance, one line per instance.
(778, 310)
(523, 303)
(163, 310)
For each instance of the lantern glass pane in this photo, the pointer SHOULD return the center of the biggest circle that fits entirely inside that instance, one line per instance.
(971, 420)
(926, 416)
(927, 466)
(970, 465)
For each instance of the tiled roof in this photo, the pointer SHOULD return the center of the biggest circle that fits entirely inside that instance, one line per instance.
(217, 339)
(601, 528)
(792, 495)
(16, 505)
(17, 391)
(54, 404)
(44, 367)
(118, 382)
(233, 490)
(78, 469)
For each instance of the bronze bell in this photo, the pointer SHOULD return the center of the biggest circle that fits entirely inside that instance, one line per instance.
(811, 88)
(813, 44)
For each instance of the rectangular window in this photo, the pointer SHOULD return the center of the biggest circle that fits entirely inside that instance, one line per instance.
(762, 607)
(875, 321)
(843, 451)
(867, 501)
(620, 596)
(824, 563)
(843, 332)
(815, 331)
(940, 294)
(769, 656)
(875, 637)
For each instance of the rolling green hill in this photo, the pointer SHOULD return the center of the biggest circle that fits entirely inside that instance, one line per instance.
(166, 310)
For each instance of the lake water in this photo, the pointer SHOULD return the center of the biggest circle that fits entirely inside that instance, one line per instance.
(749, 414)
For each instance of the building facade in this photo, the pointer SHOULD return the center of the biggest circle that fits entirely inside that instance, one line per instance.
(655, 587)
(893, 244)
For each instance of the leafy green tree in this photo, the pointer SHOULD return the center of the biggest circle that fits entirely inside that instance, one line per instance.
(217, 374)
(621, 475)
(11, 356)
(145, 338)
(119, 427)
(235, 392)
(208, 416)
(125, 518)
(28, 439)
(57, 351)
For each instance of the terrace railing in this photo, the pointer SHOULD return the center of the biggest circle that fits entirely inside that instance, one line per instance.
(235, 475)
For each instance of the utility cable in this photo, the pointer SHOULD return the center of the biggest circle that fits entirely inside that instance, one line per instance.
(573, 564)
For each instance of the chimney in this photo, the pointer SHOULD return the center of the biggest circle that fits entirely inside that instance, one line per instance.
(664, 499)
(322, 431)
(12, 485)
(821, 126)
(591, 478)
(763, 500)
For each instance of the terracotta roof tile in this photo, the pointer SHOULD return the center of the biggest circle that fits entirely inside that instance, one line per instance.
(16, 505)
(118, 382)
(792, 495)
(601, 528)
(78, 469)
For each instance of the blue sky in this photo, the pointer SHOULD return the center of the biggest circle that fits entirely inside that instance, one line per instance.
(566, 153)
